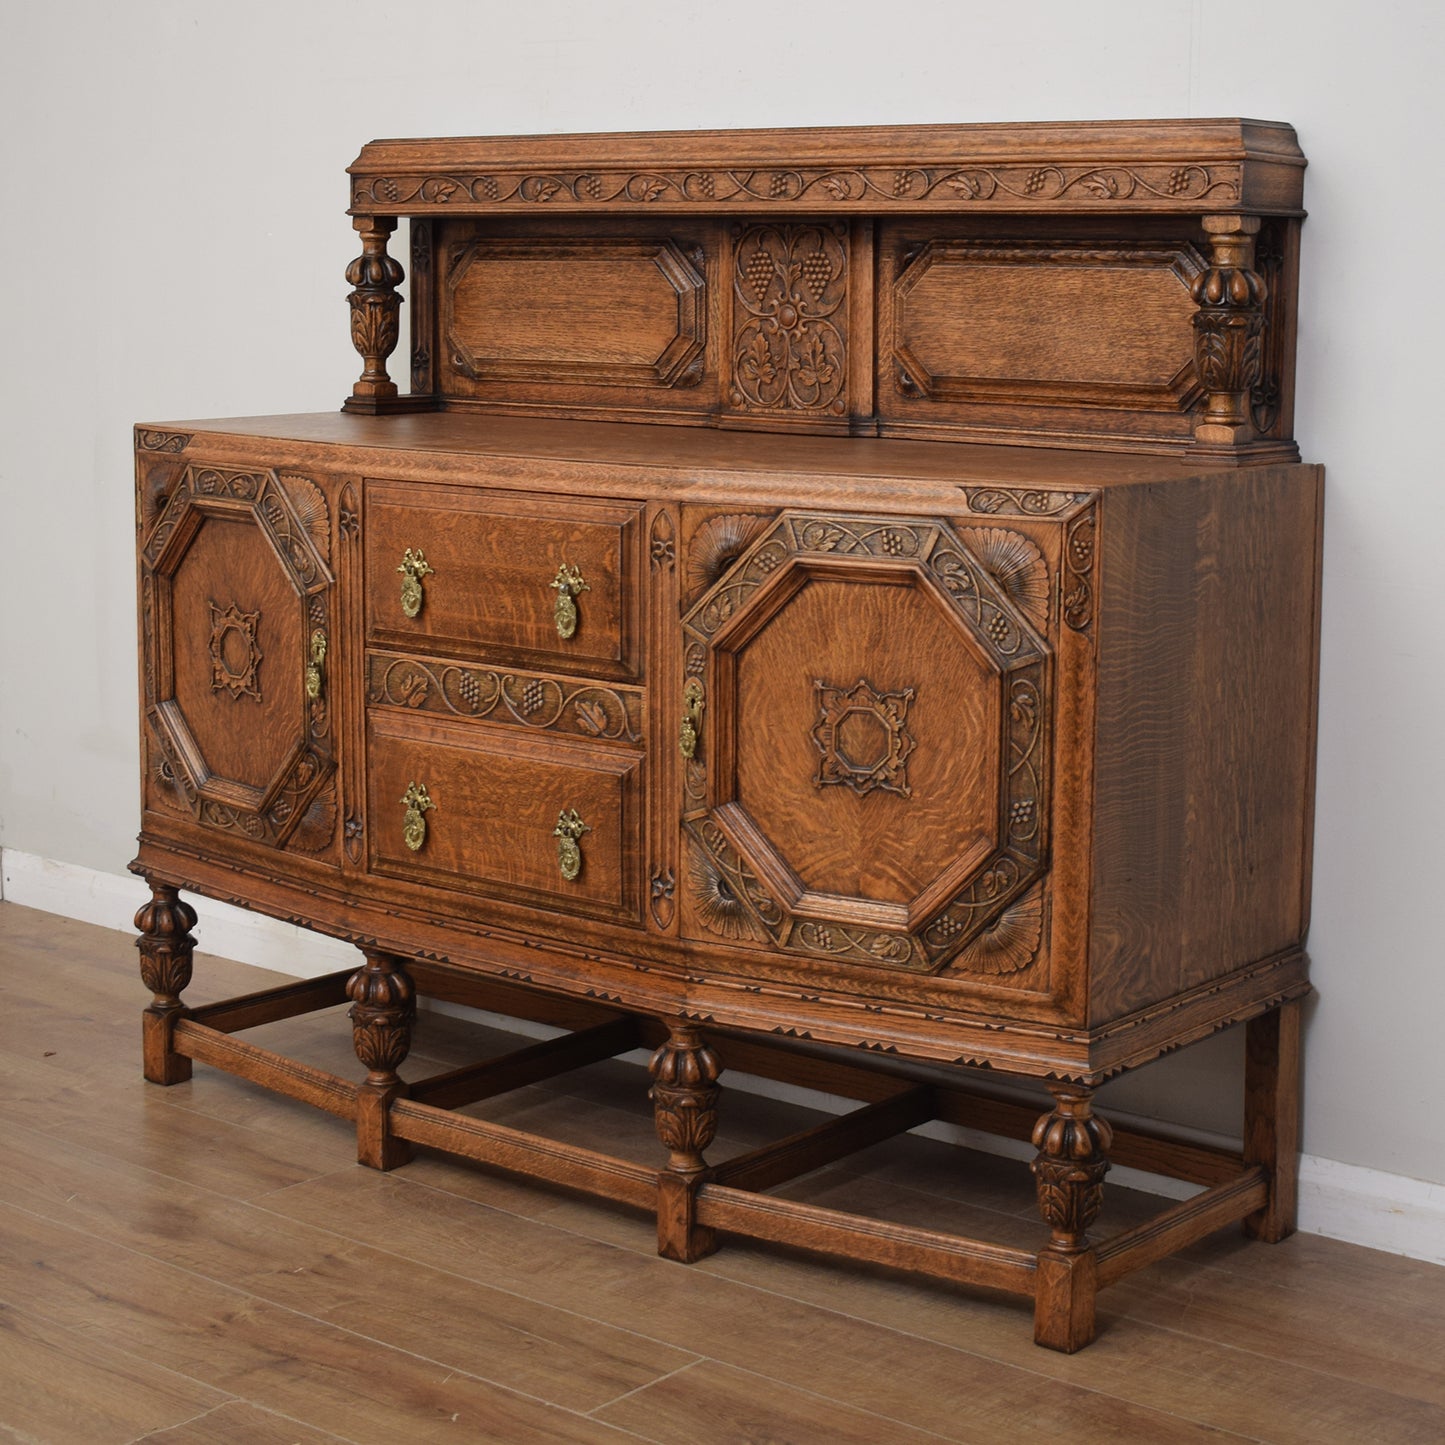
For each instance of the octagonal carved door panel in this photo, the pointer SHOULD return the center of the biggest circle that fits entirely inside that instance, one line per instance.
(870, 765)
(237, 606)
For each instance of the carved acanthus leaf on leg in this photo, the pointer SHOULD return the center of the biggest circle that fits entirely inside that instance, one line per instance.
(685, 1096)
(1069, 1168)
(383, 1010)
(165, 944)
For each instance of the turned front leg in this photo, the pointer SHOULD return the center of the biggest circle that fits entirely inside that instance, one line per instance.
(383, 1010)
(684, 1096)
(1069, 1171)
(166, 946)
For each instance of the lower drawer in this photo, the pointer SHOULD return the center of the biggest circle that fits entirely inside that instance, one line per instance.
(468, 808)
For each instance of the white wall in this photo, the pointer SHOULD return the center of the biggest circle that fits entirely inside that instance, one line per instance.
(172, 245)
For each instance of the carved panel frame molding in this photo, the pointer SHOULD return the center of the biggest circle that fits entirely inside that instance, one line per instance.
(737, 880)
(292, 514)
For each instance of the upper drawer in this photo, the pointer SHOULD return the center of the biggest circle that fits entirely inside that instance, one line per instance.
(493, 576)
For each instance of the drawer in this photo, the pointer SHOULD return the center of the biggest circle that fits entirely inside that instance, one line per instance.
(492, 563)
(496, 800)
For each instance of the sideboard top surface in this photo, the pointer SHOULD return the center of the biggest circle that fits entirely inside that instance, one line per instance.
(679, 449)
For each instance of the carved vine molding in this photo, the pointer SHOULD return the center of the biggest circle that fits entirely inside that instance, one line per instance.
(1181, 185)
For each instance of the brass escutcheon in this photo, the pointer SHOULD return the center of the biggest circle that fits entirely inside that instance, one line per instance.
(416, 801)
(570, 586)
(313, 668)
(414, 566)
(568, 833)
(692, 705)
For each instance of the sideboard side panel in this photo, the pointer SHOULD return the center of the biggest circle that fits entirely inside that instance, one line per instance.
(1205, 746)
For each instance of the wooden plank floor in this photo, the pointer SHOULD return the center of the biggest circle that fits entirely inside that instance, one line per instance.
(206, 1263)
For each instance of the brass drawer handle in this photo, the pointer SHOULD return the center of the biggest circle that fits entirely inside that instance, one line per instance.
(568, 833)
(414, 566)
(570, 586)
(314, 676)
(692, 705)
(417, 802)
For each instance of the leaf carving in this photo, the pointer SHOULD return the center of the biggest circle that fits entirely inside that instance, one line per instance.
(591, 717)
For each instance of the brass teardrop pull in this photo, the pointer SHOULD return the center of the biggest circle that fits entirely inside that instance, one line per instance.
(691, 729)
(568, 833)
(417, 802)
(414, 566)
(570, 586)
(314, 676)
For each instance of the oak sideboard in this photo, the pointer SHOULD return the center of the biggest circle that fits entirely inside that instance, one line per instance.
(840, 605)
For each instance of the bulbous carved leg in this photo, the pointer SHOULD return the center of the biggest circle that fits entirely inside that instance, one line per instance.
(165, 945)
(383, 1009)
(684, 1096)
(1069, 1172)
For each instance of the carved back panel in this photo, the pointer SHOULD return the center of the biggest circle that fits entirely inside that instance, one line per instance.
(1127, 286)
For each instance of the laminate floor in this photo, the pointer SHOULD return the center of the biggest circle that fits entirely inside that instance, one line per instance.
(207, 1264)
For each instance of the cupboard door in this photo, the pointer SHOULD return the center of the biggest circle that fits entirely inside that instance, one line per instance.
(237, 601)
(869, 713)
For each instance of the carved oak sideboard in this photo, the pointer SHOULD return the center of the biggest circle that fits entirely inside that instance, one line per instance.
(839, 604)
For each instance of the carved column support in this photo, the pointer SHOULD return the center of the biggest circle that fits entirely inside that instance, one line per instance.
(684, 1096)
(166, 946)
(1069, 1172)
(1228, 331)
(375, 312)
(383, 1010)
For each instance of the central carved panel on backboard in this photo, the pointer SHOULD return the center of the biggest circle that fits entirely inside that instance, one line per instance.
(790, 328)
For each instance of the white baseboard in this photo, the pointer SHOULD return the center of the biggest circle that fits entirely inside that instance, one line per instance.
(1341, 1201)
(111, 900)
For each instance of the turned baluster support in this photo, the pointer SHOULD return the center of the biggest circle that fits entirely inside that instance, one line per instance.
(166, 946)
(1069, 1173)
(383, 1010)
(375, 313)
(1228, 332)
(684, 1096)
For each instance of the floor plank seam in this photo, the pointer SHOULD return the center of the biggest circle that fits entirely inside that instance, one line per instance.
(30, 1309)
(181, 1424)
(1437, 1401)
(453, 1371)
(652, 1258)
(648, 1385)
(831, 1400)
(467, 1279)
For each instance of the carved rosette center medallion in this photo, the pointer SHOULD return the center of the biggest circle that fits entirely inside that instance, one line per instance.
(235, 653)
(863, 737)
